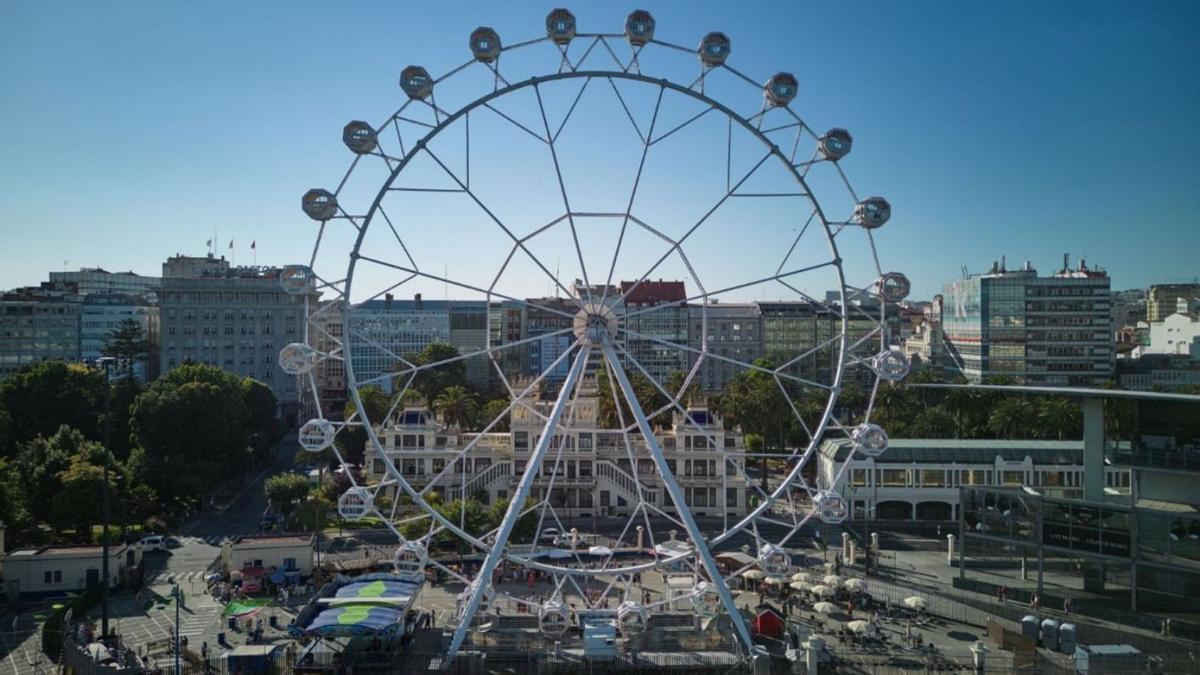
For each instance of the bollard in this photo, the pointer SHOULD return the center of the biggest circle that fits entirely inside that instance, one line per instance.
(812, 653)
(641, 544)
(949, 549)
(846, 547)
(979, 651)
(853, 554)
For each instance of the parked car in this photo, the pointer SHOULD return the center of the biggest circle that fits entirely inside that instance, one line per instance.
(550, 534)
(153, 543)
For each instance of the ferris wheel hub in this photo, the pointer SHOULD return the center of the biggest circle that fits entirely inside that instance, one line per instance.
(595, 321)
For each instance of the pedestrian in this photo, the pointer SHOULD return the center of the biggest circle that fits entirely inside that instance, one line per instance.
(16, 623)
(1067, 606)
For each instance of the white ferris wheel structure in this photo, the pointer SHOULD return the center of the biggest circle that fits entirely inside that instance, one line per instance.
(624, 158)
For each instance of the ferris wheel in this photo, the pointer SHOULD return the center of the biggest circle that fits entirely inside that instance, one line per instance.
(595, 206)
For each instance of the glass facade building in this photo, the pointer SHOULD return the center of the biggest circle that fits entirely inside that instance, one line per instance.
(1051, 331)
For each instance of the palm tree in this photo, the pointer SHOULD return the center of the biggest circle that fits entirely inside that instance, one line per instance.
(1011, 417)
(456, 405)
(934, 422)
(1059, 417)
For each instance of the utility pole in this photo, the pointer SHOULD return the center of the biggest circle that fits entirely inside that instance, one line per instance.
(177, 595)
(105, 362)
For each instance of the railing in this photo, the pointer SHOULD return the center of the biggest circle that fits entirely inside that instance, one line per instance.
(482, 480)
(612, 472)
(1184, 457)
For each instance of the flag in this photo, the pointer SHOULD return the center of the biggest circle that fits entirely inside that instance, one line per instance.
(253, 243)
(230, 243)
(208, 243)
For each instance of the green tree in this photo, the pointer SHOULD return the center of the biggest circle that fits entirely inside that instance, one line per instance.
(192, 426)
(45, 396)
(261, 423)
(493, 409)
(754, 401)
(433, 381)
(1059, 418)
(934, 422)
(77, 504)
(285, 490)
(352, 441)
(40, 465)
(457, 406)
(1011, 417)
(12, 504)
(124, 394)
(128, 344)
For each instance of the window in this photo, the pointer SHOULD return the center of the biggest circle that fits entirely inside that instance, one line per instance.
(377, 466)
(605, 499)
(52, 577)
(289, 563)
(933, 478)
(1012, 477)
(893, 477)
(858, 477)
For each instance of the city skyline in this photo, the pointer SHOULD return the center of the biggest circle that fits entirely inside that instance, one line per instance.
(1011, 149)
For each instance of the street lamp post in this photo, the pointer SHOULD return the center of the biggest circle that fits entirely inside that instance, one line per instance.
(105, 362)
(177, 594)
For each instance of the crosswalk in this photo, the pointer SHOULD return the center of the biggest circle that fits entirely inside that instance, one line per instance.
(212, 540)
(202, 611)
(185, 576)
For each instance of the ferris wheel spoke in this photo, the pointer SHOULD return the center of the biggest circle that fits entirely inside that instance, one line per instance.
(704, 296)
(695, 117)
(469, 287)
(518, 499)
(571, 110)
(625, 107)
(679, 243)
(475, 198)
(562, 188)
(632, 194)
(726, 359)
(677, 494)
(458, 456)
(796, 241)
(520, 126)
(416, 368)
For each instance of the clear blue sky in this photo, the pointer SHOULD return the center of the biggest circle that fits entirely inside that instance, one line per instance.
(131, 130)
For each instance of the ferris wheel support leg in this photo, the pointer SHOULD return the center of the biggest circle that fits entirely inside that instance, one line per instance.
(513, 514)
(677, 497)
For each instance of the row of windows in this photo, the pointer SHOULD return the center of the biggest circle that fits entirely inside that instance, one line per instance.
(956, 477)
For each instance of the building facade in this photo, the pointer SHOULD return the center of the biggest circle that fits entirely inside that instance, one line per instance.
(588, 472)
(919, 479)
(1176, 335)
(734, 331)
(101, 315)
(1162, 300)
(384, 331)
(38, 324)
(95, 280)
(235, 318)
(1053, 330)
(655, 319)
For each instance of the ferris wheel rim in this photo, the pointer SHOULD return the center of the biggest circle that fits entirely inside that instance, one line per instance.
(773, 150)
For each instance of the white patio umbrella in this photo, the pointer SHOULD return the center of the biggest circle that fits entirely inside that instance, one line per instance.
(859, 627)
(821, 591)
(753, 575)
(599, 550)
(855, 585)
(824, 608)
(915, 602)
(799, 586)
(832, 580)
(775, 580)
(802, 576)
